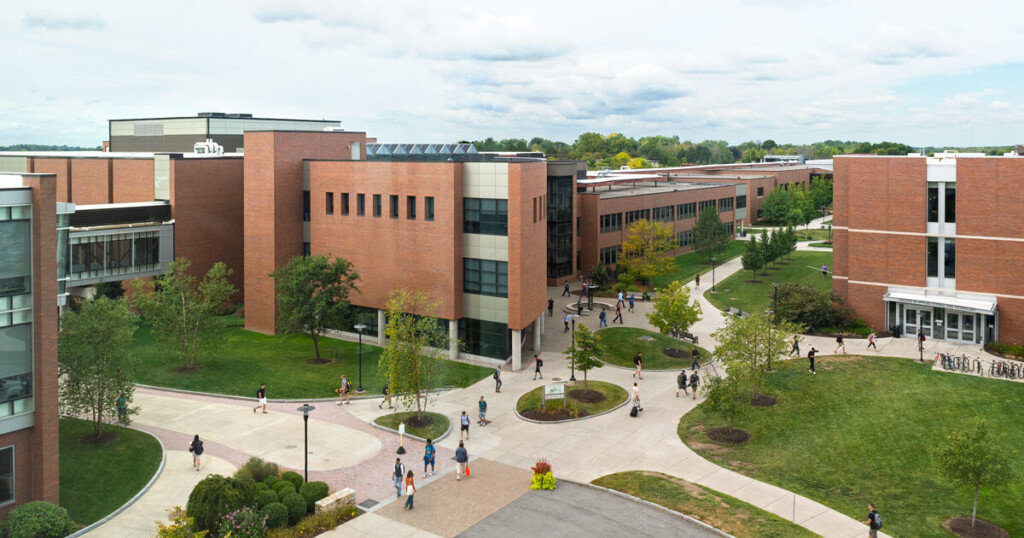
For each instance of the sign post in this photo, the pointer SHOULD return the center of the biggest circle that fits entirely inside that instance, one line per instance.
(401, 432)
(554, 391)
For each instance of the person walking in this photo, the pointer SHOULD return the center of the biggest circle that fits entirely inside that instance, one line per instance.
(551, 307)
(840, 343)
(621, 302)
(386, 390)
(618, 315)
(428, 458)
(261, 398)
(681, 381)
(696, 281)
(579, 305)
(810, 356)
(410, 489)
(636, 397)
(632, 300)
(461, 459)
(695, 354)
(397, 475)
(463, 425)
(602, 318)
(497, 380)
(874, 521)
(795, 351)
(920, 340)
(638, 361)
(824, 270)
(196, 448)
(694, 383)
(566, 290)
(343, 391)
(537, 363)
(565, 320)
(871, 340)
(483, 413)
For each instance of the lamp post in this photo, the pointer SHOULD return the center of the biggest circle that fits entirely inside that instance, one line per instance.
(713, 260)
(572, 363)
(775, 304)
(306, 408)
(360, 328)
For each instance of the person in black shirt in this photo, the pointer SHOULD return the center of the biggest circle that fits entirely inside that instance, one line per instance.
(810, 355)
(261, 396)
(695, 353)
(872, 521)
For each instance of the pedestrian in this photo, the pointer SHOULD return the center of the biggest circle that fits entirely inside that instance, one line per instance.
(261, 398)
(681, 380)
(122, 408)
(497, 380)
(920, 340)
(461, 459)
(632, 300)
(410, 489)
(565, 320)
(824, 270)
(636, 397)
(482, 415)
(621, 302)
(343, 391)
(551, 307)
(694, 383)
(810, 356)
(428, 458)
(397, 475)
(196, 448)
(638, 361)
(618, 315)
(695, 354)
(796, 346)
(537, 363)
(579, 305)
(839, 343)
(602, 318)
(874, 521)
(386, 390)
(464, 425)
(696, 281)
(871, 340)
(566, 290)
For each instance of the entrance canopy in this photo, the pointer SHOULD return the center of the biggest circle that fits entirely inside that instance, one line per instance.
(975, 303)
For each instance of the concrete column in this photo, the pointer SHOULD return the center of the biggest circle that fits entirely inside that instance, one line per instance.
(381, 325)
(538, 326)
(453, 339)
(543, 325)
(517, 349)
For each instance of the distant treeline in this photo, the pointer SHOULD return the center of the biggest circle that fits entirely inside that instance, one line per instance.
(46, 147)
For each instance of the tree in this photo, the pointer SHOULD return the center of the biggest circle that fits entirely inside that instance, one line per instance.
(709, 233)
(185, 312)
(415, 342)
(766, 248)
(584, 351)
(722, 396)
(645, 251)
(971, 457)
(312, 295)
(802, 304)
(753, 257)
(95, 363)
(749, 346)
(820, 192)
(789, 240)
(673, 311)
(776, 206)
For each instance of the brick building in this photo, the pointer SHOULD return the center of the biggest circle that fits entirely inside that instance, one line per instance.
(932, 244)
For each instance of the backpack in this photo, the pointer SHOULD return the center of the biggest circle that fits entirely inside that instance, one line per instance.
(633, 412)
(839, 339)
(540, 362)
(197, 448)
(681, 379)
(495, 374)
(878, 520)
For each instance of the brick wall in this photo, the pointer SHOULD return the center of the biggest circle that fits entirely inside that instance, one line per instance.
(132, 180)
(527, 244)
(91, 181)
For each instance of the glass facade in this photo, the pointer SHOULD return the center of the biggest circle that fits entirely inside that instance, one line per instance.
(114, 254)
(485, 338)
(486, 216)
(560, 222)
(741, 201)
(16, 372)
(485, 277)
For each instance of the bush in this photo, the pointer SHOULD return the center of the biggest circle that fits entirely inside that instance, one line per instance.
(313, 492)
(600, 276)
(270, 481)
(260, 486)
(315, 524)
(179, 526)
(283, 487)
(1007, 350)
(296, 507)
(266, 497)
(216, 496)
(293, 477)
(277, 515)
(800, 303)
(244, 523)
(257, 469)
(39, 519)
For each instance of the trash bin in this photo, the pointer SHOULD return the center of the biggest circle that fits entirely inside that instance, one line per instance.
(896, 331)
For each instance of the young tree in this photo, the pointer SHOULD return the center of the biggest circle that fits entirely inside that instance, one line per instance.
(749, 346)
(645, 251)
(820, 192)
(673, 310)
(971, 457)
(709, 233)
(766, 248)
(184, 311)
(776, 206)
(312, 295)
(97, 370)
(753, 257)
(789, 241)
(584, 351)
(722, 396)
(415, 342)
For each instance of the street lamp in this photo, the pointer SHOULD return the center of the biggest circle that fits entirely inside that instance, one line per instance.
(306, 408)
(360, 328)
(713, 260)
(775, 304)
(572, 362)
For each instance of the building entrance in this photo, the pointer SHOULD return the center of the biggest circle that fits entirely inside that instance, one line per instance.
(961, 327)
(915, 319)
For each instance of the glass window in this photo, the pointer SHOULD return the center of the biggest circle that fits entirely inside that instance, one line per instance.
(394, 206)
(7, 474)
(15, 250)
(485, 338)
(610, 255)
(15, 363)
(360, 204)
(487, 216)
(933, 257)
(639, 214)
(430, 208)
(724, 204)
(410, 207)
(376, 205)
(949, 255)
(306, 249)
(741, 201)
(686, 211)
(344, 203)
(704, 204)
(305, 206)
(684, 238)
(760, 192)
(611, 222)
(664, 214)
(933, 202)
(485, 277)
(329, 203)
(950, 203)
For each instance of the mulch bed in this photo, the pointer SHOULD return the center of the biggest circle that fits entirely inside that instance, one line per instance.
(676, 353)
(186, 370)
(587, 396)
(419, 422)
(763, 400)
(961, 526)
(103, 439)
(560, 414)
(1007, 356)
(731, 436)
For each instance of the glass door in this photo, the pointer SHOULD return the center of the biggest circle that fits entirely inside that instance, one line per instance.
(924, 319)
(909, 322)
(967, 333)
(917, 319)
(952, 326)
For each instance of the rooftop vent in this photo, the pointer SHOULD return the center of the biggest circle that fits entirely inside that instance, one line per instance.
(212, 115)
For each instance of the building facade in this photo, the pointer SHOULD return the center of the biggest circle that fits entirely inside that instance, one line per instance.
(182, 133)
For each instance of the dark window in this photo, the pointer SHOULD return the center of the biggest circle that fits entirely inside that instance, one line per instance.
(933, 203)
(724, 204)
(394, 206)
(729, 227)
(485, 277)
(684, 238)
(376, 205)
(933, 257)
(485, 338)
(429, 210)
(535, 210)
(611, 222)
(760, 192)
(949, 255)
(639, 214)
(704, 204)
(6, 474)
(485, 216)
(410, 207)
(360, 204)
(686, 211)
(344, 203)
(610, 255)
(305, 206)
(741, 201)
(579, 226)
(329, 205)
(559, 218)
(306, 250)
(951, 203)
(664, 214)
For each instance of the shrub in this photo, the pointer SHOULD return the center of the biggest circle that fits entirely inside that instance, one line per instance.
(283, 487)
(277, 515)
(296, 507)
(543, 481)
(180, 526)
(800, 303)
(293, 477)
(257, 469)
(244, 523)
(600, 276)
(216, 496)
(315, 524)
(313, 492)
(39, 519)
(270, 481)
(266, 497)
(260, 486)
(1008, 350)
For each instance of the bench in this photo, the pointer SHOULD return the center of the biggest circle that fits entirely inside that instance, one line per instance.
(685, 336)
(737, 312)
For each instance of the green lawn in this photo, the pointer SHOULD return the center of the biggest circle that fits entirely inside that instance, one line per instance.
(621, 344)
(688, 265)
(248, 358)
(95, 480)
(716, 509)
(614, 395)
(802, 233)
(802, 266)
(863, 430)
(433, 431)
(821, 245)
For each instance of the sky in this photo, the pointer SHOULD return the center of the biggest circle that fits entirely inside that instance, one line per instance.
(794, 71)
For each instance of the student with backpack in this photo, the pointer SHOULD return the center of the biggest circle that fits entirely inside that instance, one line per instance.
(681, 383)
(694, 383)
(636, 401)
(536, 368)
(840, 344)
(874, 521)
(196, 448)
(497, 380)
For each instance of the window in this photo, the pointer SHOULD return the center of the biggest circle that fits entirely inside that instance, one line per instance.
(329, 206)
(535, 210)
(306, 249)
(724, 204)
(485, 338)
(664, 214)
(429, 209)
(933, 202)
(487, 216)
(305, 206)
(741, 201)
(610, 255)
(485, 277)
(360, 204)
(579, 226)
(410, 207)
(611, 222)
(7, 474)
(394, 206)
(933, 257)
(760, 192)
(344, 203)
(684, 238)
(686, 211)
(704, 204)
(950, 203)
(639, 214)
(949, 255)
(376, 205)
(729, 228)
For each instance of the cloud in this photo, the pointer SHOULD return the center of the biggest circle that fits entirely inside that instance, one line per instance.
(999, 105)
(52, 22)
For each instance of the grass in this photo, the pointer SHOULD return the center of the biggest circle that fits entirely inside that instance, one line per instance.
(689, 264)
(716, 509)
(864, 430)
(435, 430)
(821, 245)
(802, 266)
(621, 344)
(802, 234)
(96, 479)
(248, 358)
(614, 395)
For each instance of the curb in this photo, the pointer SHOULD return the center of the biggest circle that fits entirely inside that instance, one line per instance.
(521, 417)
(420, 439)
(136, 497)
(358, 396)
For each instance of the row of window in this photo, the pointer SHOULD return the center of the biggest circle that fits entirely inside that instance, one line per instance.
(663, 214)
(487, 216)
(378, 205)
(485, 277)
(684, 238)
(724, 204)
(639, 214)
(611, 222)
(540, 208)
(610, 255)
(947, 192)
(945, 250)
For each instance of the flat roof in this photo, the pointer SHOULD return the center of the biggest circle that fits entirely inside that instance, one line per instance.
(719, 176)
(623, 191)
(124, 205)
(225, 117)
(116, 154)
